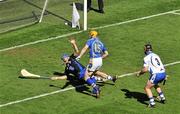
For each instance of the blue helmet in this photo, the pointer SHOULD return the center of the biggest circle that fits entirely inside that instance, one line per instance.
(64, 56)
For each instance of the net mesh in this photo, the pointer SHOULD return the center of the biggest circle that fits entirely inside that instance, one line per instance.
(16, 14)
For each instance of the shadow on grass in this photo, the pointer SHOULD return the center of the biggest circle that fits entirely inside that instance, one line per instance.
(19, 28)
(49, 12)
(80, 85)
(141, 97)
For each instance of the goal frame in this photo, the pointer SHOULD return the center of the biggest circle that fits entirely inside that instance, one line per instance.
(84, 13)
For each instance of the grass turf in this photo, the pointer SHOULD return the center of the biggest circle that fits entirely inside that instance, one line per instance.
(125, 44)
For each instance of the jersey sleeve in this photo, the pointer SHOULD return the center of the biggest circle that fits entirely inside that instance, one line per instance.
(145, 63)
(104, 48)
(88, 43)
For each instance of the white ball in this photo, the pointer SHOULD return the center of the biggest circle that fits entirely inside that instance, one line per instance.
(66, 23)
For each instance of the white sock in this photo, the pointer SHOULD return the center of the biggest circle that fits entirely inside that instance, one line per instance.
(109, 77)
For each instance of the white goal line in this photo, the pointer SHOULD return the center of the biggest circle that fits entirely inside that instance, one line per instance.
(67, 89)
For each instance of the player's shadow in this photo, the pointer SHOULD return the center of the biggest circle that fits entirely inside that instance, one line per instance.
(95, 10)
(80, 85)
(141, 97)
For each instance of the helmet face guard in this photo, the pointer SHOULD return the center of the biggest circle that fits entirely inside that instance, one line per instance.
(64, 56)
(147, 48)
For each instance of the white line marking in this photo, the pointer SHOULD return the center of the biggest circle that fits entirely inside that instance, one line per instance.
(138, 19)
(39, 41)
(20, 26)
(130, 74)
(73, 33)
(70, 88)
(175, 13)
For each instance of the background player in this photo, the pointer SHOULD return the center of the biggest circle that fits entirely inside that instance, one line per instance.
(153, 64)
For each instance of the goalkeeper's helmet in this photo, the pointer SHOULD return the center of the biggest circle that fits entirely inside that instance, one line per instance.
(65, 58)
(93, 33)
(147, 48)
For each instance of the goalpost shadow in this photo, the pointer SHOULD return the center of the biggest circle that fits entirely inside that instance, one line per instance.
(49, 12)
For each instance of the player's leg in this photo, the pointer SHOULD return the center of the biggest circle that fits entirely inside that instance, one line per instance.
(159, 78)
(89, 4)
(93, 69)
(101, 6)
(106, 76)
(94, 65)
(148, 91)
(91, 82)
(161, 96)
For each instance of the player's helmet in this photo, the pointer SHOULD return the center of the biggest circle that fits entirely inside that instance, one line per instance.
(64, 56)
(147, 48)
(93, 33)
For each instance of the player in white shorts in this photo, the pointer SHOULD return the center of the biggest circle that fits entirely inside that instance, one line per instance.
(153, 64)
(97, 52)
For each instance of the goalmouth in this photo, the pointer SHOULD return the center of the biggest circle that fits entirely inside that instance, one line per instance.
(84, 13)
(18, 14)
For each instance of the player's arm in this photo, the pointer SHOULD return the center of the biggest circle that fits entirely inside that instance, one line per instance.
(75, 47)
(105, 54)
(142, 71)
(83, 51)
(64, 77)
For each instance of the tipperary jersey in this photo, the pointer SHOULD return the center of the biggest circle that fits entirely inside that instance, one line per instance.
(96, 48)
(154, 64)
(74, 67)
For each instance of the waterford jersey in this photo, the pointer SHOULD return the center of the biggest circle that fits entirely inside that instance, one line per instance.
(154, 64)
(96, 48)
(73, 67)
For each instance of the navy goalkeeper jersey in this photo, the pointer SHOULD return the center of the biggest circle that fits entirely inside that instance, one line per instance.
(74, 67)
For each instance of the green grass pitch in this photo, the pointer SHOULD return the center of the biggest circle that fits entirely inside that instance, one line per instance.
(125, 45)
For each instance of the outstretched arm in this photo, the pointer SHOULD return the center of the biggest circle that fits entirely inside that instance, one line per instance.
(83, 51)
(75, 47)
(64, 77)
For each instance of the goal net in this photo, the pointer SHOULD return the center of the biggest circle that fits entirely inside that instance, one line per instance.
(16, 14)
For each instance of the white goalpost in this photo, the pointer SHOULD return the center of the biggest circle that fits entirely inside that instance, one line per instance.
(44, 9)
(84, 13)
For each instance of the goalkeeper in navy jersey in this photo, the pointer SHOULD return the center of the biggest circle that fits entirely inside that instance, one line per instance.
(77, 69)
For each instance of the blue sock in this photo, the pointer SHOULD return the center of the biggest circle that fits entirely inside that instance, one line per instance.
(90, 82)
(94, 79)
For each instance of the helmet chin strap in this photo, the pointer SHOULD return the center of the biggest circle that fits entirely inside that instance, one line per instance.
(147, 52)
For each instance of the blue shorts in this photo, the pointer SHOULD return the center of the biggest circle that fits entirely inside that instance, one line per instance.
(82, 73)
(157, 78)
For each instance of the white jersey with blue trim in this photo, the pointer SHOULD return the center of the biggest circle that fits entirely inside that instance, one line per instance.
(96, 48)
(154, 64)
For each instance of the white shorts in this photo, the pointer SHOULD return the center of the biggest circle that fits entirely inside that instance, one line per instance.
(95, 64)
